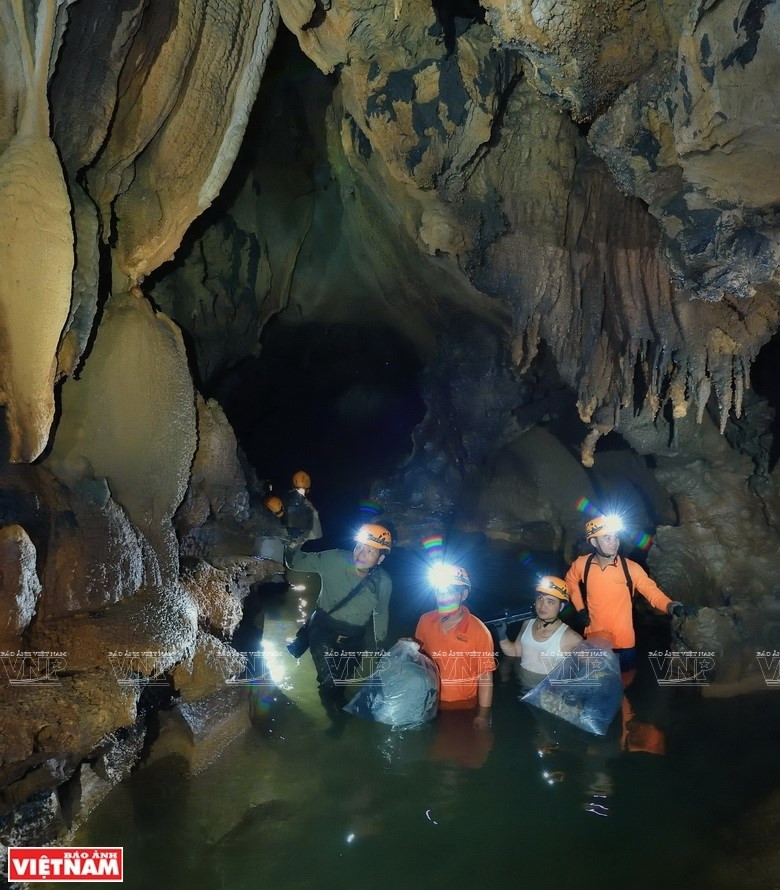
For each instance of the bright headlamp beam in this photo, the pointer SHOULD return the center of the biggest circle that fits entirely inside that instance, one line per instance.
(441, 575)
(613, 524)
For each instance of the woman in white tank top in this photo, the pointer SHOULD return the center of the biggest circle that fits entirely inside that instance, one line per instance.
(545, 640)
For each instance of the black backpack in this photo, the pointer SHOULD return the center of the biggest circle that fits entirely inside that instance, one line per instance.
(298, 514)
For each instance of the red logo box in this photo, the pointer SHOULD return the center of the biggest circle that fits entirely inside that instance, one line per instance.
(59, 864)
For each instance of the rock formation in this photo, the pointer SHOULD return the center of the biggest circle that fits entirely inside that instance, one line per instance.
(568, 213)
(147, 106)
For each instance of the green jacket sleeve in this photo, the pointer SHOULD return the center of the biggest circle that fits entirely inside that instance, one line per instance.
(304, 562)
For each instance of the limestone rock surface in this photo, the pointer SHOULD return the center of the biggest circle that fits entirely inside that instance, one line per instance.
(19, 584)
(218, 486)
(208, 670)
(130, 419)
(217, 595)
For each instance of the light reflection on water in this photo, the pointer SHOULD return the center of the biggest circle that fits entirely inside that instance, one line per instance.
(291, 804)
(288, 805)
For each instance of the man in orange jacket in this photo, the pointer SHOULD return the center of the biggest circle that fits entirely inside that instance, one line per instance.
(461, 646)
(602, 584)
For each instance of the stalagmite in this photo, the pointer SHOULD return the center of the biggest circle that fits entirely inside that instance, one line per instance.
(36, 251)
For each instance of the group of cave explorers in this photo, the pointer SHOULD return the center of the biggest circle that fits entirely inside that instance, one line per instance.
(355, 597)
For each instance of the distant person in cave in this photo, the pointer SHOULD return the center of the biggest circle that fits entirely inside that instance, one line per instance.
(275, 505)
(461, 646)
(601, 586)
(544, 641)
(298, 511)
(354, 598)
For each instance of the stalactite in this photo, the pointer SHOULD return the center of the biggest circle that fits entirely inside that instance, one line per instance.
(36, 250)
(702, 397)
(627, 364)
(741, 374)
(526, 345)
(677, 390)
(588, 447)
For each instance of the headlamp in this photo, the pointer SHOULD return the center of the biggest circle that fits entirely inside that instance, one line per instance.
(613, 524)
(373, 535)
(441, 575)
(547, 583)
(550, 585)
(365, 537)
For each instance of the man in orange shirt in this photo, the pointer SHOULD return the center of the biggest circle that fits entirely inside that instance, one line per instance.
(461, 646)
(601, 586)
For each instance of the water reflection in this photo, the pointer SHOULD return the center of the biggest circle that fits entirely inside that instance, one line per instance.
(446, 805)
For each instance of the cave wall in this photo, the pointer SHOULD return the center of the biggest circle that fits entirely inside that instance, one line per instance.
(119, 122)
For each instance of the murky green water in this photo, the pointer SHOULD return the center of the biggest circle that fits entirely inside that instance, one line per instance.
(292, 804)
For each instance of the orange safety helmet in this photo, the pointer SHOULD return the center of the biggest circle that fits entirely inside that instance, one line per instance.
(460, 577)
(552, 586)
(275, 505)
(602, 525)
(443, 575)
(376, 536)
(301, 479)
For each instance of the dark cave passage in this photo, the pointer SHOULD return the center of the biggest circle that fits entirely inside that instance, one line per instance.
(339, 401)
(764, 378)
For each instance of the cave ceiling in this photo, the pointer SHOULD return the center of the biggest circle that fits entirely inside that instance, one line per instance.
(592, 187)
(599, 179)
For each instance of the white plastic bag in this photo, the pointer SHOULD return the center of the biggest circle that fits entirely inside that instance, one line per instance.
(584, 689)
(402, 691)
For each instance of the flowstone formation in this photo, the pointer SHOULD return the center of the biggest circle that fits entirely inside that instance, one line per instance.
(119, 122)
(36, 246)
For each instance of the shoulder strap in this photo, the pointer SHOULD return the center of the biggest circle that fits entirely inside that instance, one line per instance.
(629, 579)
(351, 595)
(584, 581)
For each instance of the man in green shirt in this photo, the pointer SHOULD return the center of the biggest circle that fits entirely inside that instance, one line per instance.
(355, 593)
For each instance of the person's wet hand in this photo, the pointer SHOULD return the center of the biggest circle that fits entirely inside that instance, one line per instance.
(482, 719)
(293, 543)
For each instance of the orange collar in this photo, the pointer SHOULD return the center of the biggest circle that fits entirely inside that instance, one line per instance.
(461, 624)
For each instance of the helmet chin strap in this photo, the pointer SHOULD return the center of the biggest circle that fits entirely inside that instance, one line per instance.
(547, 623)
(551, 621)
